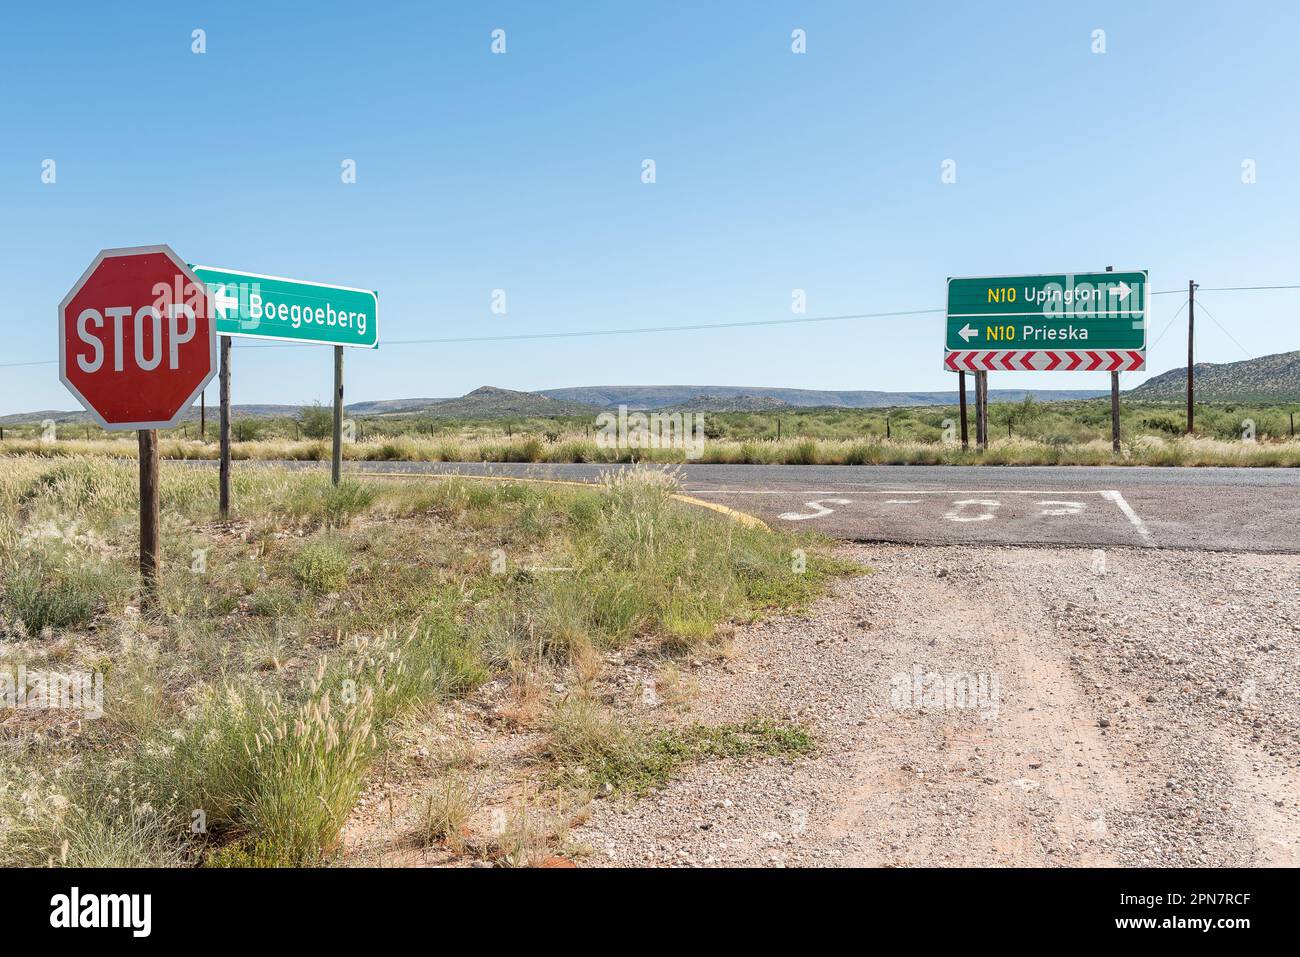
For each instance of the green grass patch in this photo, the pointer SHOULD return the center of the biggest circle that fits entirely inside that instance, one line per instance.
(593, 751)
(322, 565)
(315, 500)
(42, 595)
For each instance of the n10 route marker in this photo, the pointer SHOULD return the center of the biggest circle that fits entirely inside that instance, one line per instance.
(272, 307)
(1094, 321)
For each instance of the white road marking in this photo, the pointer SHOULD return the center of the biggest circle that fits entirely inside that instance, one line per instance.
(1127, 509)
(1061, 508)
(895, 491)
(821, 509)
(1057, 507)
(957, 515)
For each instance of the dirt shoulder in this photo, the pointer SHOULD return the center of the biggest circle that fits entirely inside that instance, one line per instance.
(974, 706)
(1146, 712)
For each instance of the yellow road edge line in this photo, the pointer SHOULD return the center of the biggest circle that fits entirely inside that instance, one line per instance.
(741, 518)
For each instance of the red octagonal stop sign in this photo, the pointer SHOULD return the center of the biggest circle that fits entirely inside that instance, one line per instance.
(137, 341)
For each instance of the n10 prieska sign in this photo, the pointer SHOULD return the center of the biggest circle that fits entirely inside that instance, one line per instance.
(272, 307)
(1063, 321)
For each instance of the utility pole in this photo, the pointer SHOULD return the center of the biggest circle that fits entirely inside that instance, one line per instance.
(961, 402)
(1114, 402)
(1191, 329)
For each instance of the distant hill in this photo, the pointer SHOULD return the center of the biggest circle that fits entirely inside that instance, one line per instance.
(68, 417)
(666, 396)
(393, 406)
(739, 403)
(489, 402)
(1274, 378)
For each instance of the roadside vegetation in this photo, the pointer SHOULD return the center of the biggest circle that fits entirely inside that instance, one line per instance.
(245, 711)
(1021, 433)
(592, 749)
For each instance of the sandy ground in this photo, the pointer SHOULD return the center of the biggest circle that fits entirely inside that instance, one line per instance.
(971, 706)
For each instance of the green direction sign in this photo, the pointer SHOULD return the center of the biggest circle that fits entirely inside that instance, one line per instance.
(272, 307)
(1091, 311)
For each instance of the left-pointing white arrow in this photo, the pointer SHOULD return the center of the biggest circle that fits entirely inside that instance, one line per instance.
(966, 332)
(224, 301)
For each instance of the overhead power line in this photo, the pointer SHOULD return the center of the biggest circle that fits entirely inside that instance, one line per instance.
(1223, 330)
(639, 330)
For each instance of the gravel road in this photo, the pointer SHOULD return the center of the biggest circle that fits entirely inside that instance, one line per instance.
(1002, 705)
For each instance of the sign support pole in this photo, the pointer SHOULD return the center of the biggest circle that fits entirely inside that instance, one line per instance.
(984, 414)
(203, 415)
(1114, 411)
(1191, 326)
(149, 514)
(961, 401)
(336, 459)
(224, 468)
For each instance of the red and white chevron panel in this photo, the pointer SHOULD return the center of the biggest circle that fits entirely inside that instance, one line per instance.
(1046, 360)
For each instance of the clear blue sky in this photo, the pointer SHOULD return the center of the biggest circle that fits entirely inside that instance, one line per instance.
(775, 171)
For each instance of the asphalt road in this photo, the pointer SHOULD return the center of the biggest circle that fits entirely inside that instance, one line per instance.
(1215, 509)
